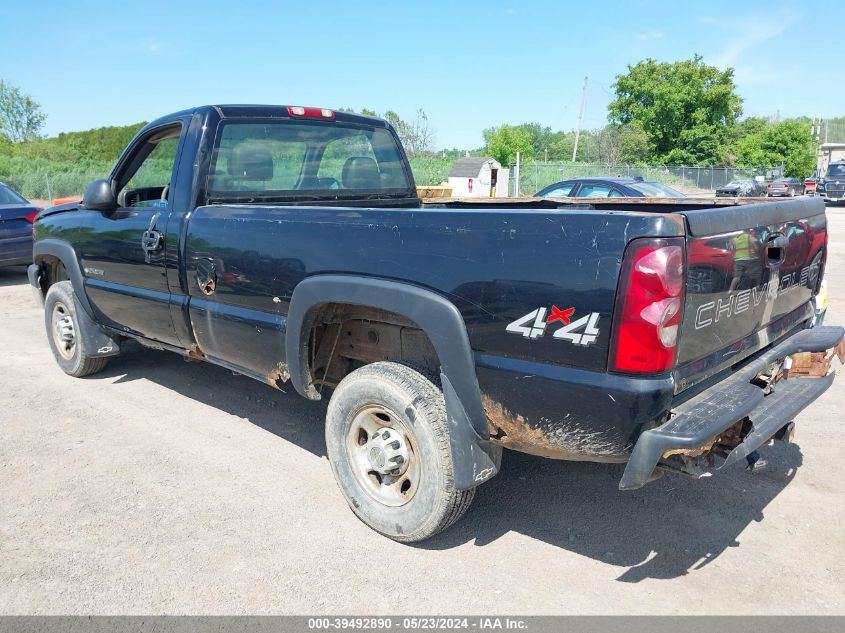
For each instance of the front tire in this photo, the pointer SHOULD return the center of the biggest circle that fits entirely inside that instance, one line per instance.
(64, 333)
(387, 440)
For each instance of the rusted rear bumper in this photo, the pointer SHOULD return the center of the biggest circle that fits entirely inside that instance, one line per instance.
(697, 423)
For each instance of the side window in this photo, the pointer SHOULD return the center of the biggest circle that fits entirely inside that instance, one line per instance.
(559, 192)
(148, 183)
(615, 193)
(594, 191)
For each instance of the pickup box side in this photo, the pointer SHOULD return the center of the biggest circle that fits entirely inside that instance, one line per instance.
(539, 393)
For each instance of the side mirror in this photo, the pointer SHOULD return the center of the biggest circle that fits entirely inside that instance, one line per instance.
(99, 197)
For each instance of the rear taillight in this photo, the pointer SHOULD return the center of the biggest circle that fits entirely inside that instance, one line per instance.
(770, 185)
(30, 217)
(314, 113)
(649, 304)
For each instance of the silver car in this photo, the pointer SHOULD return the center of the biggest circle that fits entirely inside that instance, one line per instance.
(786, 187)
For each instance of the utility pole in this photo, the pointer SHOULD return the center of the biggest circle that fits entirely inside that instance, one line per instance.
(580, 119)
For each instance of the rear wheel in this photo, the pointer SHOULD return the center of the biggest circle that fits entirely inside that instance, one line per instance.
(387, 440)
(64, 334)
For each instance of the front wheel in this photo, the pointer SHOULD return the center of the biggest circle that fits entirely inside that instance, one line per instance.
(64, 333)
(387, 440)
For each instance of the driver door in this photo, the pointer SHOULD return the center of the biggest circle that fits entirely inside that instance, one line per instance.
(124, 255)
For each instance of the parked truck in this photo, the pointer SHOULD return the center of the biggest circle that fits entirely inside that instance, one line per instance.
(831, 186)
(288, 244)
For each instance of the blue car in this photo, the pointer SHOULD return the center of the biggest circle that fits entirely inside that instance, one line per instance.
(608, 188)
(16, 218)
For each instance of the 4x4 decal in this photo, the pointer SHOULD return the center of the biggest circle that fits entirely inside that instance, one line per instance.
(533, 325)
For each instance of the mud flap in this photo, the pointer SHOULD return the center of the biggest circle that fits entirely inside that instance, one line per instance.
(34, 274)
(98, 342)
(474, 460)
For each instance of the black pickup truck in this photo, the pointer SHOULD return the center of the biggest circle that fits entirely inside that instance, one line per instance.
(288, 244)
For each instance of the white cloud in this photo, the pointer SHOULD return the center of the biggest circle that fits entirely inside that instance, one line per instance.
(650, 35)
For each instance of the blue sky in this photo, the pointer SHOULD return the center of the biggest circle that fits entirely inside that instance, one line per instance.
(469, 65)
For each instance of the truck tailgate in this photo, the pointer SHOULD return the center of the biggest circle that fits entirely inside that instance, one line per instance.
(752, 271)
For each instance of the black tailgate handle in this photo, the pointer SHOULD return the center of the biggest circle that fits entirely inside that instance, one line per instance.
(776, 249)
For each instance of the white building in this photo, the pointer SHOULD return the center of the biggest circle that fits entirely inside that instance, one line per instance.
(478, 177)
(829, 153)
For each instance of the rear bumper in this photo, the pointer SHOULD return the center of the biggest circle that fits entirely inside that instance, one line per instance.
(702, 418)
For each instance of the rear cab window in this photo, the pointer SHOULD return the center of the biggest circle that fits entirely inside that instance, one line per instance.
(286, 160)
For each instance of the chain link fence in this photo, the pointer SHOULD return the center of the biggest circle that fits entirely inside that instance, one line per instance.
(534, 176)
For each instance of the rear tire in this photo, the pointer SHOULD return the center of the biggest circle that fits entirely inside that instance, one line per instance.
(64, 333)
(387, 440)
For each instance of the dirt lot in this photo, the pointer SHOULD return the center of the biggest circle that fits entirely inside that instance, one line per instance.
(162, 486)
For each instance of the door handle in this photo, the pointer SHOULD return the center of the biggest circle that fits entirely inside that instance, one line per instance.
(151, 240)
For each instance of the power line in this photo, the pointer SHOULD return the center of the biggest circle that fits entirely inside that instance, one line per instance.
(580, 119)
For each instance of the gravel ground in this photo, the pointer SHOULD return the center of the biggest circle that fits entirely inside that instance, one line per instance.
(166, 487)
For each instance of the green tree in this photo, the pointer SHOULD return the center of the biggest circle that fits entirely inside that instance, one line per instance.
(615, 144)
(505, 141)
(417, 135)
(788, 142)
(20, 115)
(560, 145)
(685, 108)
(633, 145)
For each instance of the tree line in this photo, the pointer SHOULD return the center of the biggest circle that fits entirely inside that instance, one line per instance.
(663, 113)
(678, 113)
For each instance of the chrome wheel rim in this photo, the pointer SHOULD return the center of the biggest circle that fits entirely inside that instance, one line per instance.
(383, 454)
(64, 330)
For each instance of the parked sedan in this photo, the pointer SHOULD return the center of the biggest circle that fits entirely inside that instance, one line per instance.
(786, 187)
(608, 188)
(16, 218)
(739, 188)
